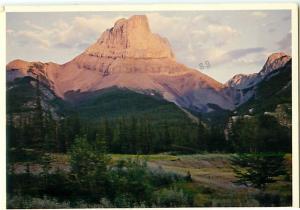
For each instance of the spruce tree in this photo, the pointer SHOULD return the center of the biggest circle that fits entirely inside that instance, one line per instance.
(38, 119)
(258, 169)
(202, 137)
(89, 165)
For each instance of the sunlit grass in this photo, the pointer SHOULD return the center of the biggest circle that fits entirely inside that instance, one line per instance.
(153, 157)
(60, 158)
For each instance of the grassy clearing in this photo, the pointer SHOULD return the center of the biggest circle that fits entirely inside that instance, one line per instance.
(211, 169)
(156, 157)
(60, 158)
(212, 178)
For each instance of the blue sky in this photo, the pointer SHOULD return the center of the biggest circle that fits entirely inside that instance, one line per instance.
(232, 41)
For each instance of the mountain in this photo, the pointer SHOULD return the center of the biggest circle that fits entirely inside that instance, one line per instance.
(243, 87)
(273, 93)
(129, 55)
(25, 94)
(243, 81)
(114, 102)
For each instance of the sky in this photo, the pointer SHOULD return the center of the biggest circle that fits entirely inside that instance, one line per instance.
(220, 44)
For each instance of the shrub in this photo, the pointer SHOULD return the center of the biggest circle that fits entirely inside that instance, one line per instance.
(234, 200)
(160, 177)
(89, 167)
(129, 183)
(273, 199)
(104, 203)
(202, 200)
(34, 203)
(171, 198)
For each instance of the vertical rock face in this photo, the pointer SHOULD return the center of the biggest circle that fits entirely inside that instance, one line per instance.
(131, 38)
(129, 47)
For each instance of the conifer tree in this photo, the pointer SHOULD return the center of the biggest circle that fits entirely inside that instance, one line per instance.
(38, 119)
(89, 165)
(258, 169)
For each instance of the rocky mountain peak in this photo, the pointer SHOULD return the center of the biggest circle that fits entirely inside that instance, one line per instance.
(131, 38)
(275, 56)
(244, 85)
(136, 22)
(275, 61)
(241, 81)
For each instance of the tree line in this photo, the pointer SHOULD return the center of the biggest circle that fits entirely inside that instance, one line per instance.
(142, 136)
(39, 130)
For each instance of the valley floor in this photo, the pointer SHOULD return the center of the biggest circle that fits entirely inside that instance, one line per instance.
(212, 177)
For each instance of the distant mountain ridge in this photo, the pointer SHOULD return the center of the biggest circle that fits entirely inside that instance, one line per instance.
(274, 91)
(243, 86)
(243, 81)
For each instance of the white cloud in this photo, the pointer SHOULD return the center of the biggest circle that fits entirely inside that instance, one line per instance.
(257, 58)
(159, 22)
(259, 14)
(78, 33)
(222, 29)
(222, 33)
(33, 38)
(173, 28)
(220, 57)
(285, 44)
(195, 29)
(194, 38)
(215, 35)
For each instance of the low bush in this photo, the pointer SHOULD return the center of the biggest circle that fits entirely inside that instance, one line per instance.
(172, 198)
(160, 177)
(18, 202)
(268, 199)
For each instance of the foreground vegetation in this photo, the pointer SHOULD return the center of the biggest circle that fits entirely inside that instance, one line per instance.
(162, 180)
